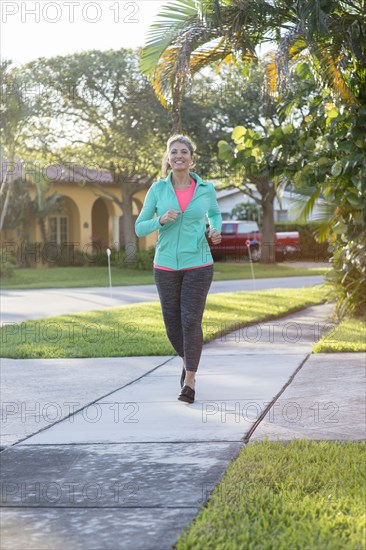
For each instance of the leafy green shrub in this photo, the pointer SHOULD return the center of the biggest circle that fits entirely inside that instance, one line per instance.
(349, 276)
(70, 257)
(30, 255)
(97, 254)
(333, 167)
(78, 259)
(6, 269)
(142, 260)
(97, 259)
(310, 248)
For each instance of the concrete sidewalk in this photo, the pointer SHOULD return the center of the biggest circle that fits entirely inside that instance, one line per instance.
(133, 466)
(325, 401)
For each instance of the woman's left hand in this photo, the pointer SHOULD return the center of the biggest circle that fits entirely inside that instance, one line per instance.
(215, 236)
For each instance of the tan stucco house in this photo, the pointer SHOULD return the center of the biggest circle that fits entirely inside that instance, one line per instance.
(85, 213)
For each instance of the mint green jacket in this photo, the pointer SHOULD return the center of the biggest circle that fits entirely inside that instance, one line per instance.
(181, 243)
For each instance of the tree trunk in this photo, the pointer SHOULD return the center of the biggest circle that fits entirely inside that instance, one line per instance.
(268, 228)
(131, 242)
(42, 227)
(176, 122)
(8, 182)
(176, 109)
(5, 208)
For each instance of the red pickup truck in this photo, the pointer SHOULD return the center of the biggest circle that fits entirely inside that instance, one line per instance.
(237, 235)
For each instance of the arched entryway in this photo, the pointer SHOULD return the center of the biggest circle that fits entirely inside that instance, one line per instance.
(63, 233)
(100, 223)
(64, 222)
(136, 209)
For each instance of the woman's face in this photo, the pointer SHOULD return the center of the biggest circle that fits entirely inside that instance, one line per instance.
(179, 156)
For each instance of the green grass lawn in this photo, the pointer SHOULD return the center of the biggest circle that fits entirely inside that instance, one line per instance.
(349, 335)
(68, 277)
(295, 496)
(139, 329)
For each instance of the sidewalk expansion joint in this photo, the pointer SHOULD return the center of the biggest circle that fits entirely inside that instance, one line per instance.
(50, 507)
(269, 406)
(92, 402)
(91, 443)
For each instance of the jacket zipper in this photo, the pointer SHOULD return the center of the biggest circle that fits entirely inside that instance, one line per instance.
(181, 214)
(181, 221)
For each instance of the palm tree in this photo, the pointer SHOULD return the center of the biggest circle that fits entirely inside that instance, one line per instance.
(332, 34)
(191, 34)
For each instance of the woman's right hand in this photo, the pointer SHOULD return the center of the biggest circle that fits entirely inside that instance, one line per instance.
(169, 216)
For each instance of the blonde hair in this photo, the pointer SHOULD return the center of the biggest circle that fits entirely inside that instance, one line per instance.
(165, 166)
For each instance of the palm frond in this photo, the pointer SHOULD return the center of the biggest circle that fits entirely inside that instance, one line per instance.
(171, 21)
(303, 204)
(312, 16)
(165, 73)
(331, 73)
(271, 70)
(208, 54)
(281, 183)
(187, 29)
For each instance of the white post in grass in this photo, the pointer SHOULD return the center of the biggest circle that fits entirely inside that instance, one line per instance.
(251, 262)
(109, 270)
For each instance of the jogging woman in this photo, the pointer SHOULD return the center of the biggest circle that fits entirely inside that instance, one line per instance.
(183, 264)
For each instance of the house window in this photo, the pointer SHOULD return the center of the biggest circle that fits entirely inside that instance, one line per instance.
(247, 227)
(282, 215)
(58, 229)
(228, 229)
(225, 216)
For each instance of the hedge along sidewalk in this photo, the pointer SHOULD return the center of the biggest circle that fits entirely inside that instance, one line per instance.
(348, 336)
(138, 330)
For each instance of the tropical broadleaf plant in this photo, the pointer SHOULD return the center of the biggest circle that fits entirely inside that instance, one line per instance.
(190, 34)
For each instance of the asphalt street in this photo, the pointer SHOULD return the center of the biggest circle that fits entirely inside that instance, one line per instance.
(23, 305)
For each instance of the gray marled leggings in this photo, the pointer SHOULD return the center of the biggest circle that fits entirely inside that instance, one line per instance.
(183, 297)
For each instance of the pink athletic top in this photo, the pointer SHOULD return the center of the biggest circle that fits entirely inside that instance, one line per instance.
(184, 197)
